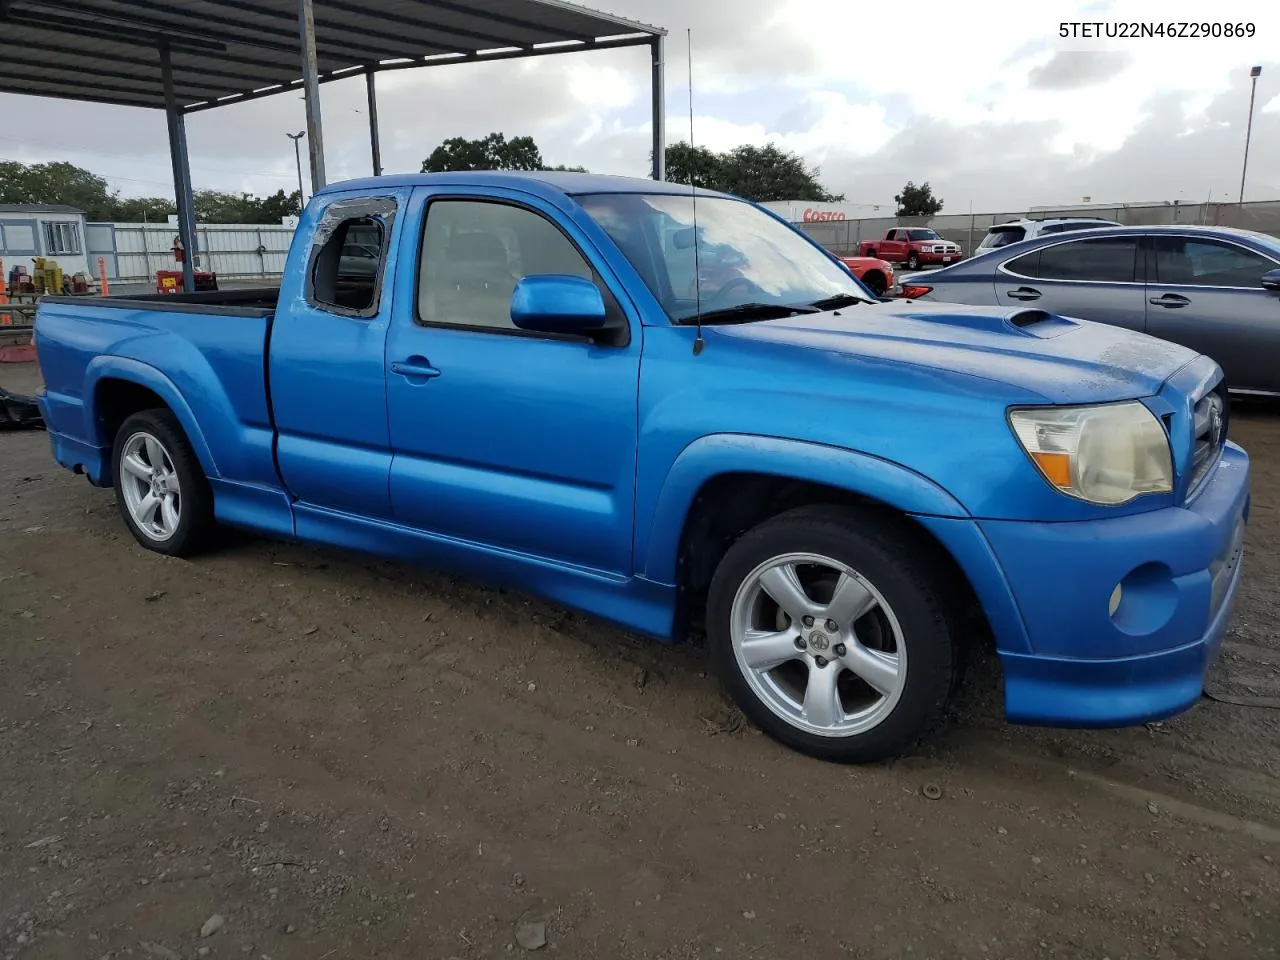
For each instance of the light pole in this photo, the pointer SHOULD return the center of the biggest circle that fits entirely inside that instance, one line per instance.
(1248, 134)
(297, 156)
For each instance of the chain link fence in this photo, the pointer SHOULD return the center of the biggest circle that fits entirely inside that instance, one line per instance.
(843, 236)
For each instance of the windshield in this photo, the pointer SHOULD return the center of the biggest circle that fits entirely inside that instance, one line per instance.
(925, 235)
(744, 255)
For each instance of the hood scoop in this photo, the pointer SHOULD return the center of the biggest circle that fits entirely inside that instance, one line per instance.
(1021, 322)
(1040, 323)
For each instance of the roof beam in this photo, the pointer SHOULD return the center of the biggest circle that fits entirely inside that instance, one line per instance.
(443, 60)
(108, 27)
(502, 18)
(151, 64)
(398, 39)
(214, 51)
(630, 26)
(426, 25)
(23, 83)
(215, 29)
(186, 92)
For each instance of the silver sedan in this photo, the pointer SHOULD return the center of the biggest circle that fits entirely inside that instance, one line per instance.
(1213, 289)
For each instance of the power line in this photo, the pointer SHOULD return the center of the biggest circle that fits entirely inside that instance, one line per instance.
(203, 167)
(108, 176)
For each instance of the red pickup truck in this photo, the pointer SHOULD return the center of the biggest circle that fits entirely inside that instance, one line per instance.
(914, 246)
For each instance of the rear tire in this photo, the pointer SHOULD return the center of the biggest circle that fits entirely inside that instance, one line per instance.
(872, 669)
(161, 489)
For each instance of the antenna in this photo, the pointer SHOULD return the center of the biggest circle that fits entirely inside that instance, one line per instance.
(698, 342)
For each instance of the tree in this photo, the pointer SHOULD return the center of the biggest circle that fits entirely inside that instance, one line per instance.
(58, 182)
(66, 183)
(757, 173)
(276, 207)
(696, 166)
(769, 173)
(918, 201)
(494, 152)
(143, 209)
(213, 206)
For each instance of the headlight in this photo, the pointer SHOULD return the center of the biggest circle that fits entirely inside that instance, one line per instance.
(1105, 454)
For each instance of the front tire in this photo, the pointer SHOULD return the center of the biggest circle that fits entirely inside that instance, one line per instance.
(829, 629)
(161, 489)
(875, 282)
(913, 261)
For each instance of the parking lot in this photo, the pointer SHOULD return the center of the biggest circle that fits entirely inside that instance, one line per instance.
(342, 758)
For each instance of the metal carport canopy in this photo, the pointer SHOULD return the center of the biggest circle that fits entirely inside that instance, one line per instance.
(195, 55)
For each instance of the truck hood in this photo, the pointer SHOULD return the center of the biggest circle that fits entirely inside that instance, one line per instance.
(1061, 359)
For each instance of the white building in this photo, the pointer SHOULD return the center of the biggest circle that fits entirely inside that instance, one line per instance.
(50, 230)
(812, 211)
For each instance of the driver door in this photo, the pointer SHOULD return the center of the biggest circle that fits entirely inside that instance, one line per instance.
(520, 441)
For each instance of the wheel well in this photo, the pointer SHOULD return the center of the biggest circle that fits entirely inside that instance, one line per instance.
(117, 400)
(729, 505)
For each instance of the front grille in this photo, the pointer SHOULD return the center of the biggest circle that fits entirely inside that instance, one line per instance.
(1209, 434)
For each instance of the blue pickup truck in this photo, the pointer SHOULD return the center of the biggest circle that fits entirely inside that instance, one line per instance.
(674, 411)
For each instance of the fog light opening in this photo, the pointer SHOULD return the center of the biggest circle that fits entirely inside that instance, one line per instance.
(1145, 600)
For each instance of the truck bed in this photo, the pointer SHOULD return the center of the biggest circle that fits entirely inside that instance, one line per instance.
(201, 354)
(250, 301)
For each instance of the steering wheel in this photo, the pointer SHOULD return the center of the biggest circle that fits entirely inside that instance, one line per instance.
(747, 287)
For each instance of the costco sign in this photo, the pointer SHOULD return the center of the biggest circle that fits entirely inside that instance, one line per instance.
(812, 215)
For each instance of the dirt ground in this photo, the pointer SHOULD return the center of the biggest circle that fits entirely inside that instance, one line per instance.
(344, 758)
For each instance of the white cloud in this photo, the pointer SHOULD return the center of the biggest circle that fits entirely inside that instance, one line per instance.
(984, 101)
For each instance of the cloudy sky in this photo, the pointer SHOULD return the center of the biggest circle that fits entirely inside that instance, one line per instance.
(980, 98)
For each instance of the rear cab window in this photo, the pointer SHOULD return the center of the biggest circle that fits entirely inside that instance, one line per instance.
(348, 255)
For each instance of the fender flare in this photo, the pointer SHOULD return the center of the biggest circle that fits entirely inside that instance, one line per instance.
(144, 375)
(717, 454)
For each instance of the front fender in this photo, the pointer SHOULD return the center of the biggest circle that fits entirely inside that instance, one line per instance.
(144, 375)
(718, 454)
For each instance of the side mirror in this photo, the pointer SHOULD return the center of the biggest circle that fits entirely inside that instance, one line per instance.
(1271, 280)
(557, 303)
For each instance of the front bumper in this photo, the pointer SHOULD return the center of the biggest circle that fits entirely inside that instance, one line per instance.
(1046, 587)
(940, 259)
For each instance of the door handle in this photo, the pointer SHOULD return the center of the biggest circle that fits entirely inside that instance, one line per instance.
(415, 368)
(1171, 300)
(1024, 293)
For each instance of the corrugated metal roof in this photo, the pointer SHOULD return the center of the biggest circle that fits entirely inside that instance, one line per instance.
(224, 51)
(39, 208)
